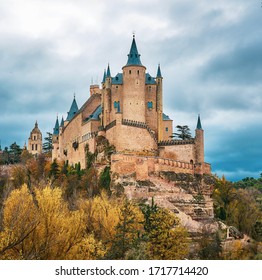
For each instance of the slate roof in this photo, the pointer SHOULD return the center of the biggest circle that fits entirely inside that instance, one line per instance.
(73, 110)
(166, 117)
(133, 56)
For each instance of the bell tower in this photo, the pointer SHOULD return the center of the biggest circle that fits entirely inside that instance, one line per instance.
(35, 141)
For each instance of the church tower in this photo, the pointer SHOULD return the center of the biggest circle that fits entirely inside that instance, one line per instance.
(134, 86)
(35, 141)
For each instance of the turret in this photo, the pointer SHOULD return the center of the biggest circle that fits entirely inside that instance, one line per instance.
(106, 96)
(108, 78)
(159, 103)
(134, 86)
(55, 140)
(199, 142)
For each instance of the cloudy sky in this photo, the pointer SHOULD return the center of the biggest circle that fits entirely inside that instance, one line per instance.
(210, 54)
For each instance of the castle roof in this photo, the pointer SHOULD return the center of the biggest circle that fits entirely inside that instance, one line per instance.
(73, 110)
(166, 117)
(56, 128)
(96, 114)
(108, 73)
(133, 56)
(199, 126)
(118, 79)
(62, 122)
(158, 75)
(150, 80)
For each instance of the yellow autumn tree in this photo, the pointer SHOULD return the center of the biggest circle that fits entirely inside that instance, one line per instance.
(20, 220)
(39, 225)
(101, 216)
(167, 239)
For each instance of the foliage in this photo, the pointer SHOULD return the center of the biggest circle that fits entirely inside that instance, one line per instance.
(11, 155)
(238, 207)
(167, 240)
(90, 157)
(183, 132)
(210, 247)
(47, 145)
(105, 179)
(128, 230)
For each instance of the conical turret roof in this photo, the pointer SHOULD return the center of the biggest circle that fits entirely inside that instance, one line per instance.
(73, 110)
(158, 75)
(56, 128)
(199, 126)
(133, 56)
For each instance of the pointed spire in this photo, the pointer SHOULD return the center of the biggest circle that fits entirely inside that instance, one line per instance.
(104, 77)
(62, 122)
(36, 124)
(73, 110)
(158, 75)
(199, 126)
(133, 56)
(56, 128)
(108, 73)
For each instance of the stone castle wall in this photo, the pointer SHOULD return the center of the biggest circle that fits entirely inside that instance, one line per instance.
(143, 166)
(131, 138)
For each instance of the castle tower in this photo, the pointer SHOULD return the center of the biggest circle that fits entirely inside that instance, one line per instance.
(134, 87)
(159, 103)
(199, 142)
(35, 141)
(107, 84)
(55, 140)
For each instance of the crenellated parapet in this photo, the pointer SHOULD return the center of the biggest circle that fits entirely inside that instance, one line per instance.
(176, 142)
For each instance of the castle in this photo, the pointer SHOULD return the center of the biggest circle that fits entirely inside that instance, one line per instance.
(127, 110)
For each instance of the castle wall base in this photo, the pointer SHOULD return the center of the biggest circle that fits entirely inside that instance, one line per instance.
(143, 166)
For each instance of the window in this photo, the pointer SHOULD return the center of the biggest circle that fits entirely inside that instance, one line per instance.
(166, 128)
(32, 147)
(117, 106)
(137, 72)
(129, 71)
(36, 147)
(34, 137)
(150, 105)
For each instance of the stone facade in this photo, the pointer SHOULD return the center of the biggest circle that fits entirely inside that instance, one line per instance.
(35, 141)
(128, 111)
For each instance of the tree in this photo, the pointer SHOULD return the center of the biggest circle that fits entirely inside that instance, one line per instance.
(209, 245)
(166, 238)
(183, 132)
(15, 152)
(41, 230)
(105, 179)
(47, 145)
(54, 170)
(25, 156)
(128, 230)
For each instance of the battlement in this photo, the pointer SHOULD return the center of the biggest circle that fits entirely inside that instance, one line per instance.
(176, 142)
(143, 166)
